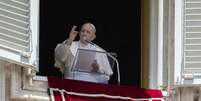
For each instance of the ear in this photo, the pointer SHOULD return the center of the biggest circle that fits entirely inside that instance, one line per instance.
(93, 37)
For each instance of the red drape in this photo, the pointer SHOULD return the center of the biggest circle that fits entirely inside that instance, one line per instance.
(87, 91)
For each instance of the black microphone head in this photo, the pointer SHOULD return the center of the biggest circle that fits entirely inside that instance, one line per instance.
(113, 54)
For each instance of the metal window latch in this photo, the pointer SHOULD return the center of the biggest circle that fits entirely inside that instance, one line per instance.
(188, 76)
(26, 54)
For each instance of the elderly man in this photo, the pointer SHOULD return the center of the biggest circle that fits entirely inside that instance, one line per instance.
(66, 52)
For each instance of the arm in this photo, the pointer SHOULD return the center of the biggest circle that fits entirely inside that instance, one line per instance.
(105, 66)
(102, 65)
(62, 51)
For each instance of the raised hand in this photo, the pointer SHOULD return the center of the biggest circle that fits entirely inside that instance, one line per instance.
(73, 33)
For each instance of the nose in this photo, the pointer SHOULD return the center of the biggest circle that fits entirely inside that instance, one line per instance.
(85, 32)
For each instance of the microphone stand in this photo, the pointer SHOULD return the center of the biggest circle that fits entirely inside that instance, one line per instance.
(110, 55)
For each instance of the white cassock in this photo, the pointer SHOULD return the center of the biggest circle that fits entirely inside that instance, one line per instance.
(64, 57)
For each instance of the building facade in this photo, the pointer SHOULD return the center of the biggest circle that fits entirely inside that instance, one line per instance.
(171, 50)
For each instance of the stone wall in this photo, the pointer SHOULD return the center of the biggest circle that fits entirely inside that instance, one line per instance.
(17, 84)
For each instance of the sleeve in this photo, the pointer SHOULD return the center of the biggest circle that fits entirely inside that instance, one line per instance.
(61, 53)
(104, 64)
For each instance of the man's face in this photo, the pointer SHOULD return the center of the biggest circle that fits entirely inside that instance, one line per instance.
(87, 33)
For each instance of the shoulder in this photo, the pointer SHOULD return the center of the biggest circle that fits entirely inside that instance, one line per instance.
(99, 49)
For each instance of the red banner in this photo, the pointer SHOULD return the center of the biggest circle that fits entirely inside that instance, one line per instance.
(73, 90)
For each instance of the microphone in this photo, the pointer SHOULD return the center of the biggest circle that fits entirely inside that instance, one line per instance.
(89, 42)
(112, 53)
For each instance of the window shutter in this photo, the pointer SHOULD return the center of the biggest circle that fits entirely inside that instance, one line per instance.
(14, 25)
(192, 39)
(18, 32)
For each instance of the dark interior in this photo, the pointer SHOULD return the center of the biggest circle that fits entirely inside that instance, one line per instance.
(118, 25)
